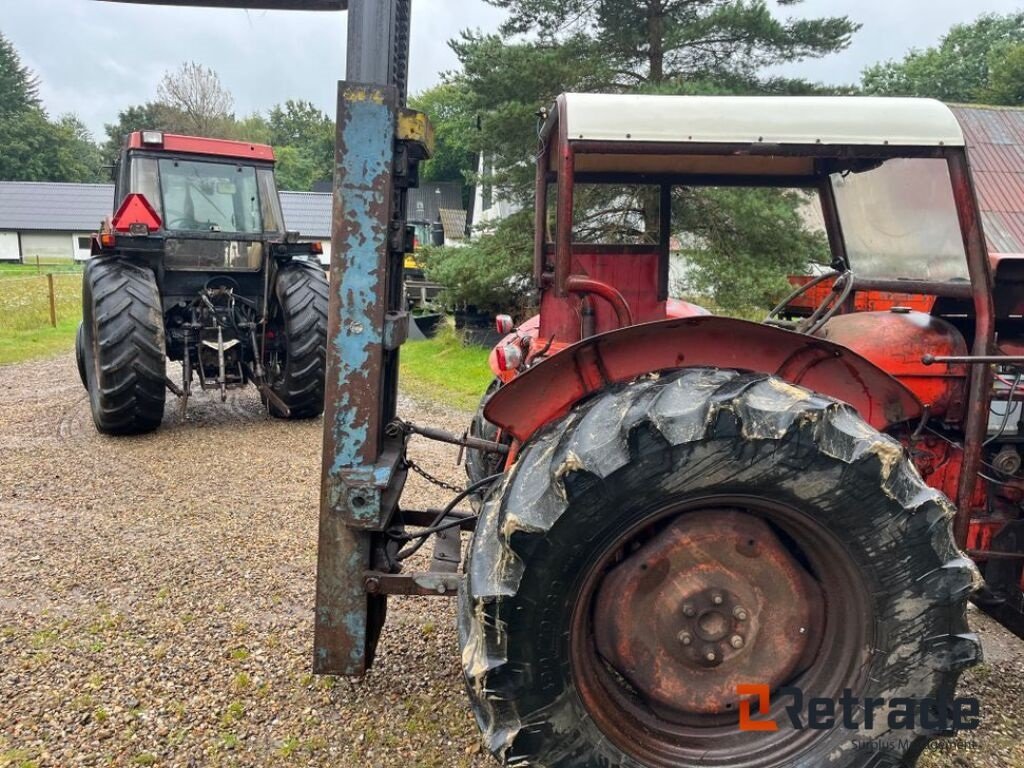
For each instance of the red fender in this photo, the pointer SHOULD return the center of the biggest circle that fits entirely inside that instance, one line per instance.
(553, 386)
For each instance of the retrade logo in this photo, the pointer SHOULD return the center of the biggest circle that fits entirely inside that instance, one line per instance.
(852, 713)
(763, 695)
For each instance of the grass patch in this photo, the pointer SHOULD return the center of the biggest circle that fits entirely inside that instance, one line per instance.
(20, 346)
(14, 269)
(25, 329)
(445, 369)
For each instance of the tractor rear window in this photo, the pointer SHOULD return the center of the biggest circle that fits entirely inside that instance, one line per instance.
(899, 220)
(210, 197)
(273, 220)
(616, 214)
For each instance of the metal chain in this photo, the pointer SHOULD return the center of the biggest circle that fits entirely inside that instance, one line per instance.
(430, 478)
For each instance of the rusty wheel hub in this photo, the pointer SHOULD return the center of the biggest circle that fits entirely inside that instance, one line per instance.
(713, 601)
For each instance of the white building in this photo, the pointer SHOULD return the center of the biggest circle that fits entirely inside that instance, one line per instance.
(489, 207)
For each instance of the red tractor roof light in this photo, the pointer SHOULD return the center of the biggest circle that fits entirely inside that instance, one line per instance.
(136, 216)
(194, 145)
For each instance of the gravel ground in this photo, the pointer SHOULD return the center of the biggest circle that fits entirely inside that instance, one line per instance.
(156, 597)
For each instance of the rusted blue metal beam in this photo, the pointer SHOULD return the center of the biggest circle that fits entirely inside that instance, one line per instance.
(354, 474)
(363, 475)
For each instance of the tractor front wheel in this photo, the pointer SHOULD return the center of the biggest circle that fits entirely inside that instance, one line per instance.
(479, 464)
(298, 364)
(121, 343)
(80, 356)
(673, 541)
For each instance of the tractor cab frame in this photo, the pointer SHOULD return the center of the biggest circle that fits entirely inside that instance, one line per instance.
(937, 366)
(815, 144)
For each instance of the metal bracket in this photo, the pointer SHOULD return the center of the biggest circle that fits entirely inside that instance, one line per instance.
(396, 329)
(447, 551)
(360, 497)
(428, 584)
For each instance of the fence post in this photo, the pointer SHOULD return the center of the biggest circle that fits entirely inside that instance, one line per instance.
(53, 300)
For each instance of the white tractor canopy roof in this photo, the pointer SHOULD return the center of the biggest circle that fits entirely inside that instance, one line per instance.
(779, 120)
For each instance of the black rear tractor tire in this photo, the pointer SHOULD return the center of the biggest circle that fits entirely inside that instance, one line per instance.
(123, 351)
(655, 486)
(80, 357)
(301, 319)
(479, 464)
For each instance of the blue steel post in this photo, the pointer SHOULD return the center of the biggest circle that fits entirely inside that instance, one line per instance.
(362, 471)
(352, 417)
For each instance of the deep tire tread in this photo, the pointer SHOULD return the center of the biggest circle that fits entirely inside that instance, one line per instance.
(123, 347)
(767, 422)
(302, 295)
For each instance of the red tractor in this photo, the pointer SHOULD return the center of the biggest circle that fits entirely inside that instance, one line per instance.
(685, 515)
(196, 266)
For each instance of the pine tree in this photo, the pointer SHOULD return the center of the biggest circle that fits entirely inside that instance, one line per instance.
(652, 46)
(19, 87)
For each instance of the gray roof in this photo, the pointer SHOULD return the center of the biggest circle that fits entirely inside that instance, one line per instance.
(426, 202)
(30, 206)
(308, 213)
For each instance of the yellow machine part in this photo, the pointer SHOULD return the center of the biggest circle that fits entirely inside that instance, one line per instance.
(415, 129)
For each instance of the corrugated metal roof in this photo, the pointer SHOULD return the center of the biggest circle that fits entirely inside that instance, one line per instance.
(28, 206)
(995, 140)
(308, 213)
(41, 206)
(425, 203)
(453, 220)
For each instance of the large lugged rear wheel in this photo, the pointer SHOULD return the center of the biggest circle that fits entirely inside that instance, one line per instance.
(122, 347)
(479, 464)
(299, 367)
(678, 537)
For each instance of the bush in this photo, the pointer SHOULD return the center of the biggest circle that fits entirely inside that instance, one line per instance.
(492, 273)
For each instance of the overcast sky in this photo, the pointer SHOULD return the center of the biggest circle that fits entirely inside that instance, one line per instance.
(95, 58)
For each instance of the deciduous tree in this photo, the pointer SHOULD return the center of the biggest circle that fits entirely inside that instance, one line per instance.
(960, 68)
(198, 94)
(304, 138)
(454, 156)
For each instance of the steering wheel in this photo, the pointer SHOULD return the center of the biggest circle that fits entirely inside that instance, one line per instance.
(841, 291)
(183, 223)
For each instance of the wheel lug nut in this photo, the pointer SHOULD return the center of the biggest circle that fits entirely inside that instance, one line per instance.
(689, 610)
(740, 613)
(717, 599)
(710, 657)
(684, 638)
(736, 642)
